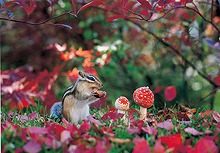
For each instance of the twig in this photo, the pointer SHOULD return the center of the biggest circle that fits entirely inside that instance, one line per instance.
(211, 14)
(37, 23)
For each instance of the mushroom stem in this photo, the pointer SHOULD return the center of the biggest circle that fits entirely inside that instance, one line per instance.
(121, 111)
(143, 112)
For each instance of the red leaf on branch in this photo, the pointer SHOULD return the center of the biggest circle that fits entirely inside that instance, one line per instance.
(144, 12)
(87, 63)
(172, 141)
(206, 144)
(92, 3)
(145, 4)
(74, 5)
(130, 5)
(84, 53)
(170, 93)
(68, 55)
(114, 17)
(29, 9)
(72, 74)
(141, 146)
(91, 71)
(7, 4)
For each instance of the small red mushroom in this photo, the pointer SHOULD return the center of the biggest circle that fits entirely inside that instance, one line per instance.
(122, 104)
(144, 97)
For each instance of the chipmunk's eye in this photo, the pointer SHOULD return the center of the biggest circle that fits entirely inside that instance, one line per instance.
(91, 78)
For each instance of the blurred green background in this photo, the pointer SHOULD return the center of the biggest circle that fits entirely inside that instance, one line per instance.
(130, 57)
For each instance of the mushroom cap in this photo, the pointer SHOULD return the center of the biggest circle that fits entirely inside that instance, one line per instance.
(122, 103)
(144, 97)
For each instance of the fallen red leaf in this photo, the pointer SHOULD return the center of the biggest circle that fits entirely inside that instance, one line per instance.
(55, 130)
(32, 115)
(183, 149)
(107, 131)
(150, 130)
(65, 136)
(168, 125)
(32, 147)
(216, 116)
(134, 130)
(102, 146)
(112, 116)
(206, 145)
(192, 131)
(172, 141)
(94, 121)
(84, 127)
(141, 146)
(37, 130)
(19, 150)
(159, 148)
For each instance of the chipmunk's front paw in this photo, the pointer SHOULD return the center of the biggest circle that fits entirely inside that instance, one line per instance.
(99, 94)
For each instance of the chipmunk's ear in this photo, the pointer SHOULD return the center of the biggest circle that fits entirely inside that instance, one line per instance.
(81, 74)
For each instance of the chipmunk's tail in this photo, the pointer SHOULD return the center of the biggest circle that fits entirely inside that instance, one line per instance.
(56, 110)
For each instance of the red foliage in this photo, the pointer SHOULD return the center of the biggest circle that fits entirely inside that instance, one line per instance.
(172, 141)
(92, 3)
(141, 146)
(206, 144)
(159, 148)
(168, 125)
(22, 85)
(32, 146)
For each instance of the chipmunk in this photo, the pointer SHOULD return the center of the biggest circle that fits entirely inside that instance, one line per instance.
(76, 99)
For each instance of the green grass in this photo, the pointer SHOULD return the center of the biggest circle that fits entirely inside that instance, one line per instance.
(11, 140)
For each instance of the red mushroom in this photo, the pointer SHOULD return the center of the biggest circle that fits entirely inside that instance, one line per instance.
(122, 104)
(144, 97)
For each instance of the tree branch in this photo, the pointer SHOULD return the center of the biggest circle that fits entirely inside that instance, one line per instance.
(38, 23)
(176, 52)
